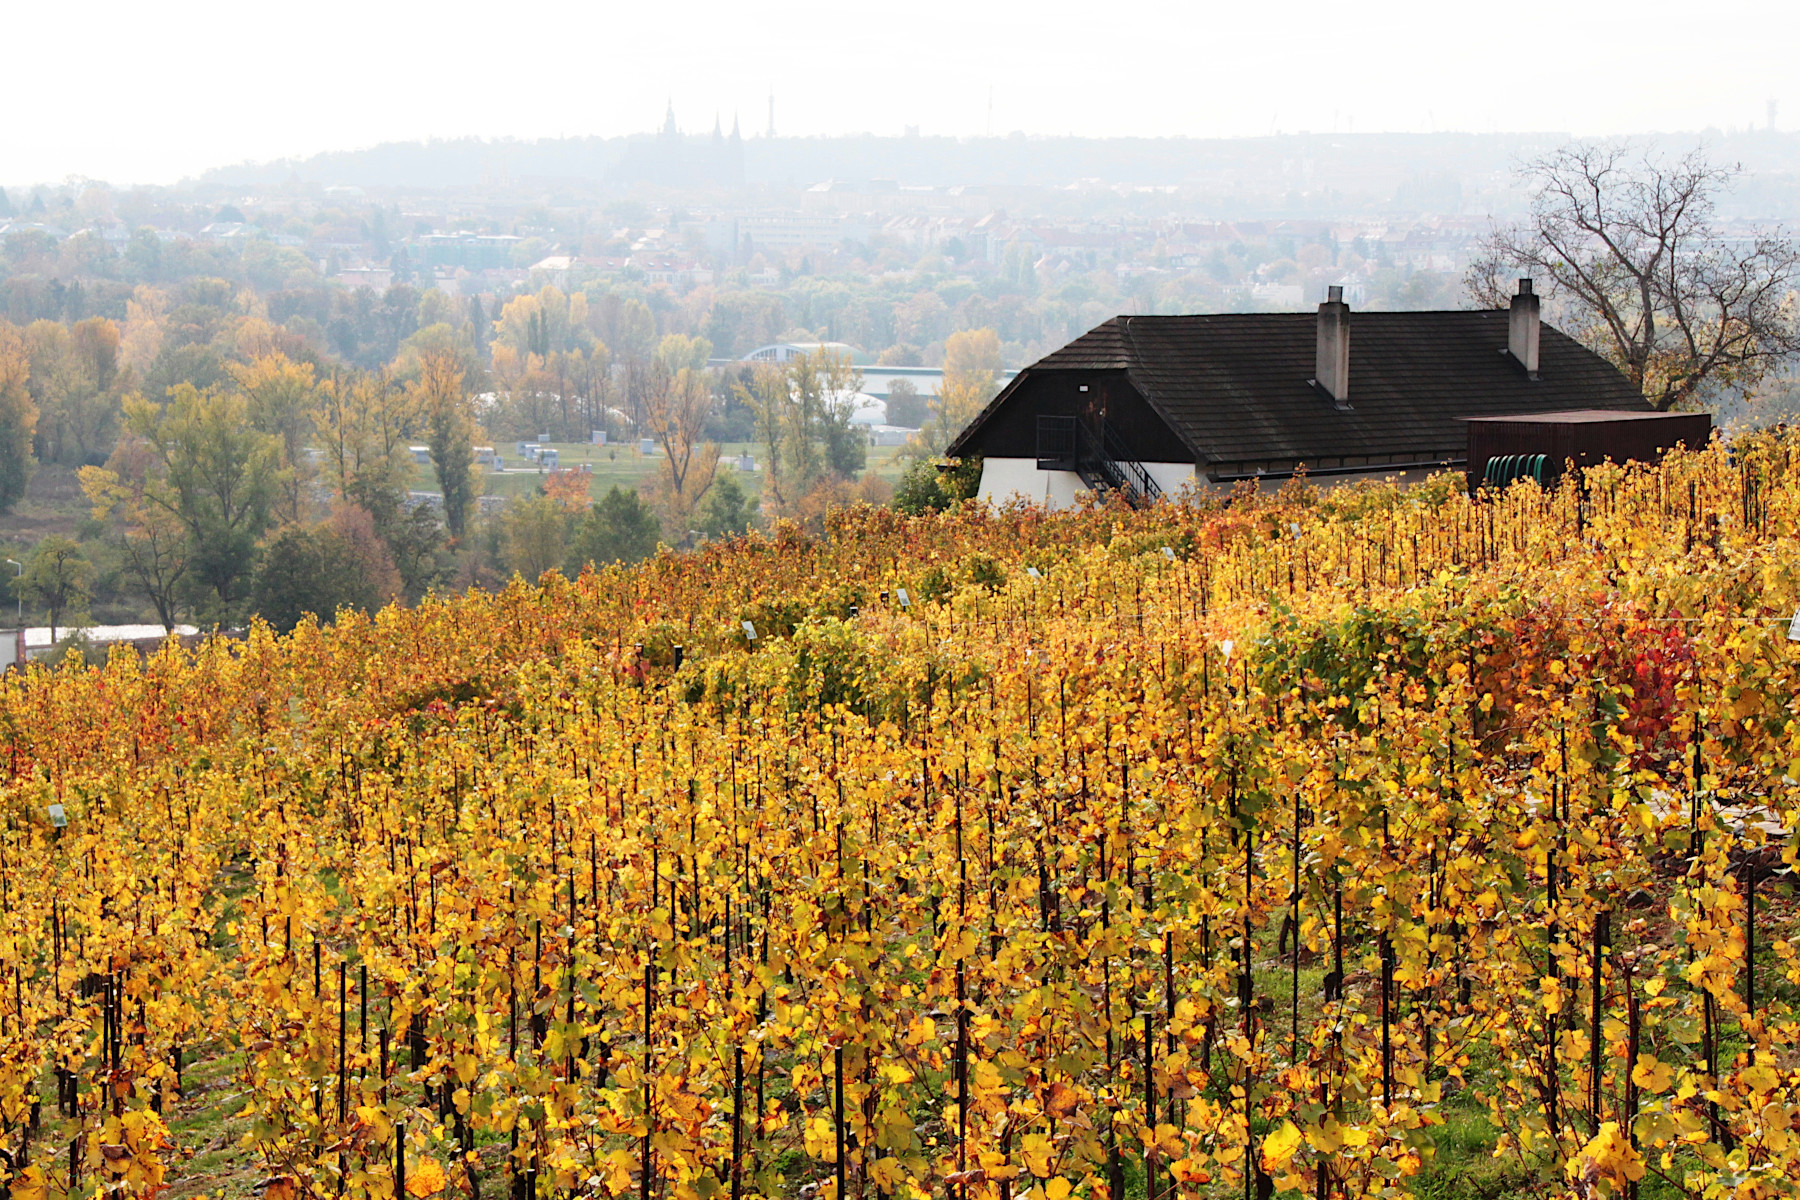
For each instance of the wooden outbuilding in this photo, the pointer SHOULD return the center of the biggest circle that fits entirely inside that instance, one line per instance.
(1541, 446)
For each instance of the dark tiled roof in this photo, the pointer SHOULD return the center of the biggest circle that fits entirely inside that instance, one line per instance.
(1234, 385)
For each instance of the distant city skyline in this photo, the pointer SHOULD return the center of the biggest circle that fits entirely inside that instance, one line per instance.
(153, 94)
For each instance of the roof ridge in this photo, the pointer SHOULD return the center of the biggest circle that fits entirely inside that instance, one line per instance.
(1366, 312)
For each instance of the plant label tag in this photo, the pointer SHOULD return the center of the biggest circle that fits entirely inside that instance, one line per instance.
(58, 817)
(905, 600)
(1168, 553)
(1794, 627)
(749, 631)
(1034, 572)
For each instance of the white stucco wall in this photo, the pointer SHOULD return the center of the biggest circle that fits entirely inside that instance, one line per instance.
(1171, 477)
(1004, 479)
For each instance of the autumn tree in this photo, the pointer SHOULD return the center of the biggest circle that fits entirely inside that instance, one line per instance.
(365, 424)
(803, 412)
(449, 433)
(836, 382)
(677, 410)
(619, 528)
(144, 523)
(279, 396)
(146, 315)
(323, 569)
(764, 391)
(1626, 247)
(563, 395)
(57, 579)
(571, 489)
(543, 323)
(905, 407)
(678, 351)
(626, 325)
(727, 510)
(220, 476)
(536, 531)
(18, 418)
(77, 384)
(973, 354)
(971, 376)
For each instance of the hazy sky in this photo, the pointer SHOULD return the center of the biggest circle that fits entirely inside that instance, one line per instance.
(136, 92)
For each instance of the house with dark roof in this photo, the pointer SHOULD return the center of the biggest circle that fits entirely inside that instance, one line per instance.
(1149, 405)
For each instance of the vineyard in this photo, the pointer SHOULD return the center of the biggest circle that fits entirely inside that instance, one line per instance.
(1294, 845)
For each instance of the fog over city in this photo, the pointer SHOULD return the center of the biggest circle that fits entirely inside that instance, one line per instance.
(167, 91)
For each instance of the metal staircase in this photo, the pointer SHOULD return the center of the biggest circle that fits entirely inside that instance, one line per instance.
(1104, 464)
(1097, 455)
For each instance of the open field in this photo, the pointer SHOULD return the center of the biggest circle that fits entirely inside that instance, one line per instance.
(624, 466)
(1375, 842)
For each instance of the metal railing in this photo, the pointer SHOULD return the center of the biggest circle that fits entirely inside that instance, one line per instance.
(1095, 453)
(1058, 443)
(1104, 464)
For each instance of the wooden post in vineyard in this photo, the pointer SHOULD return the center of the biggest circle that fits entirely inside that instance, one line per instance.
(737, 1120)
(1601, 938)
(1387, 1021)
(1631, 1058)
(1294, 925)
(399, 1160)
(1748, 869)
(962, 1076)
(644, 1152)
(838, 1116)
(343, 1091)
(569, 972)
(1149, 1102)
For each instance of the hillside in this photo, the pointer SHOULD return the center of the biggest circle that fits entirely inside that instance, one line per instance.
(1368, 842)
(1329, 175)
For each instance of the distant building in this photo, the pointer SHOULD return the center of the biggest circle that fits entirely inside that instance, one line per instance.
(673, 160)
(472, 251)
(746, 233)
(19, 646)
(781, 352)
(9, 229)
(376, 278)
(554, 269)
(674, 272)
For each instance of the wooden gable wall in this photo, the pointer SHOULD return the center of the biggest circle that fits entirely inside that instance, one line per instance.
(1011, 432)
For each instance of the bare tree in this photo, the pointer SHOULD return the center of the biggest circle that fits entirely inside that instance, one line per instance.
(1638, 272)
(677, 408)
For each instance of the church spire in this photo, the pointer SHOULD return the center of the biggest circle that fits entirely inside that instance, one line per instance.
(669, 129)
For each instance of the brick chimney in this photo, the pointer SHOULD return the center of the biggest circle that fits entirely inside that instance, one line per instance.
(1522, 329)
(1333, 369)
